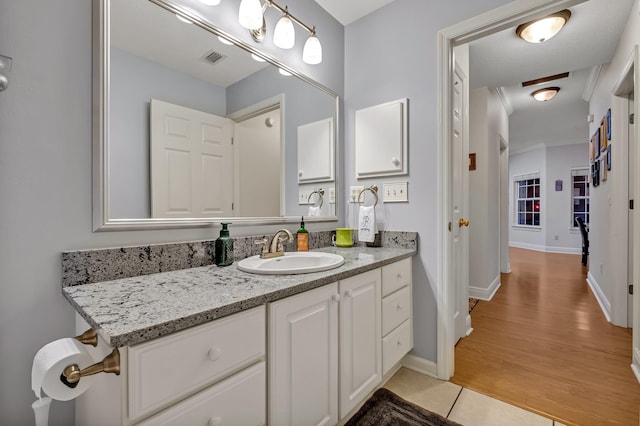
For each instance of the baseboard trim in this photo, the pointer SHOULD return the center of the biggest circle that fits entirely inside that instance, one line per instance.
(485, 293)
(420, 365)
(468, 325)
(604, 303)
(635, 364)
(546, 249)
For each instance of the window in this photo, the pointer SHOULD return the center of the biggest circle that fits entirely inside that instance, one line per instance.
(579, 196)
(527, 190)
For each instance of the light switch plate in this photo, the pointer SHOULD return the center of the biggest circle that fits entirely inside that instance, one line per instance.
(303, 196)
(395, 192)
(353, 193)
(332, 195)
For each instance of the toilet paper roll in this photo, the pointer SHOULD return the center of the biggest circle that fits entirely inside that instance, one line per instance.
(49, 363)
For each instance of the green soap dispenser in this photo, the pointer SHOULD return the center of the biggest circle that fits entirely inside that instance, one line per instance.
(224, 247)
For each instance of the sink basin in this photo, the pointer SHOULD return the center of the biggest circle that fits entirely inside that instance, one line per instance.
(291, 263)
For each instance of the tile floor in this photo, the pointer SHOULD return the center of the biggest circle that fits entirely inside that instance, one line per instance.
(460, 404)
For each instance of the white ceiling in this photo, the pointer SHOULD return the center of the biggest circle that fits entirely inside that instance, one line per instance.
(348, 11)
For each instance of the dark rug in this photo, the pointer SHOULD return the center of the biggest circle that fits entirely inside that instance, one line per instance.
(386, 408)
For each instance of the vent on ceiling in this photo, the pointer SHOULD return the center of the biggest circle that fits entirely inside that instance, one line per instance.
(212, 57)
(545, 79)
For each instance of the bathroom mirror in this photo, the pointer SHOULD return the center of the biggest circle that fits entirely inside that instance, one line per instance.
(190, 131)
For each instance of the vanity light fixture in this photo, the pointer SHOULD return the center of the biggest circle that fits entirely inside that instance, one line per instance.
(546, 94)
(543, 29)
(251, 16)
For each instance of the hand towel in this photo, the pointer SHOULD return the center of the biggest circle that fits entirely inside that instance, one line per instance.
(367, 228)
(314, 211)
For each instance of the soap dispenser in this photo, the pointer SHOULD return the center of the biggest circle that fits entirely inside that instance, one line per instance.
(302, 237)
(224, 247)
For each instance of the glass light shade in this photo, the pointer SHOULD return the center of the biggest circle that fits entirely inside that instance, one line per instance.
(210, 2)
(250, 14)
(312, 52)
(543, 29)
(546, 94)
(284, 36)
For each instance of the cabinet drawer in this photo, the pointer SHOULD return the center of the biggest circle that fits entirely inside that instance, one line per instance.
(168, 368)
(395, 276)
(239, 400)
(395, 309)
(396, 345)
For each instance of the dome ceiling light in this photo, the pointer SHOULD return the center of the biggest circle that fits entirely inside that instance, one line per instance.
(543, 29)
(546, 94)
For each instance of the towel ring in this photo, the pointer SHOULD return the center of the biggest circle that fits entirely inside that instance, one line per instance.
(374, 191)
(320, 193)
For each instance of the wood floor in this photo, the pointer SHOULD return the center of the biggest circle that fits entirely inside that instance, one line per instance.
(543, 344)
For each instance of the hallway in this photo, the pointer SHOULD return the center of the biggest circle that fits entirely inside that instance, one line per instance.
(543, 344)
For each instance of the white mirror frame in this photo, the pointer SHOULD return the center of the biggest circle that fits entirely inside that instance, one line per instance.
(101, 81)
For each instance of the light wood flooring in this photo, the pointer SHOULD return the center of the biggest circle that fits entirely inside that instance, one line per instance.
(543, 344)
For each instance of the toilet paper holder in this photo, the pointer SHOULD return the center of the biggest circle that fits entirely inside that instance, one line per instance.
(89, 337)
(110, 364)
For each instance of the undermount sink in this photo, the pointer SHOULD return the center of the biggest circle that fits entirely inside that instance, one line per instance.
(291, 263)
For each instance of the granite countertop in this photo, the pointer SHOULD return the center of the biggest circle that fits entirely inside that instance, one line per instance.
(133, 310)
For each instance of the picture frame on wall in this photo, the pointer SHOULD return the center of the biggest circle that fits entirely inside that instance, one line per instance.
(603, 135)
(608, 121)
(609, 157)
(597, 142)
(592, 148)
(603, 168)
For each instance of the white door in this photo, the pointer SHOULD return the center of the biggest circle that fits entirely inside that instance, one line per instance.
(303, 358)
(459, 209)
(636, 231)
(258, 171)
(191, 163)
(632, 179)
(360, 338)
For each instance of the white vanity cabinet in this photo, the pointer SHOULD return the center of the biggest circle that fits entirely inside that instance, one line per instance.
(397, 314)
(212, 374)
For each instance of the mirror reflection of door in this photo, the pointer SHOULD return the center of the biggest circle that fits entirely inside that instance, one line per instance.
(191, 162)
(256, 144)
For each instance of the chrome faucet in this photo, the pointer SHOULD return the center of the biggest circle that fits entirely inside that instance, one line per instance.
(274, 248)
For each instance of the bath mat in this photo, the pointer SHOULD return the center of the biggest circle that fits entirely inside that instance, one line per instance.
(386, 408)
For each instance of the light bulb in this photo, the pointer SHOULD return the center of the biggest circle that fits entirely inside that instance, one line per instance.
(312, 52)
(250, 14)
(284, 36)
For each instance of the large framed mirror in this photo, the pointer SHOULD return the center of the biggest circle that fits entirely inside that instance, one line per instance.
(193, 126)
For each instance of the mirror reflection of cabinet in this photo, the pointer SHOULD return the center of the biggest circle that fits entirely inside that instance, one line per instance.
(381, 140)
(315, 152)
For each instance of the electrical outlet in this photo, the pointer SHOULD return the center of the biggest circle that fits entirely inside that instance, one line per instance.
(395, 192)
(303, 196)
(332, 195)
(354, 191)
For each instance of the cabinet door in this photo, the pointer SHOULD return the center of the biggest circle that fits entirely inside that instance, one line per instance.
(360, 338)
(303, 358)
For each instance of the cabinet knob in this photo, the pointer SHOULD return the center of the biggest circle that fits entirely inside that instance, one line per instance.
(399, 276)
(300, 172)
(399, 307)
(399, 343)
(213, 354)
(335, 297)
(215, 421)
(395, 161)
(348, 293)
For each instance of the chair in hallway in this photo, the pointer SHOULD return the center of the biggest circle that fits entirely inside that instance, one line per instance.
(585, 239)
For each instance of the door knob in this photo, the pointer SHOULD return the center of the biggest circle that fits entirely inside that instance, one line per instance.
(463, 222)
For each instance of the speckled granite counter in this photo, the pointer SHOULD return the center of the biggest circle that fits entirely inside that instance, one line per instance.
(133, 310)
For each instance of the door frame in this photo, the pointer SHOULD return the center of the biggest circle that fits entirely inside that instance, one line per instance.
(506, 16)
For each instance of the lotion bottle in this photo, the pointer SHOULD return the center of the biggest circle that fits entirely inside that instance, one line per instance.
(302, 237)
(223, 247)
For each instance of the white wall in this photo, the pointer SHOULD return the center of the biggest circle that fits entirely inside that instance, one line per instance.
(553, 163)
(489, 122)
(607, 272)
(396, 62)
(45, 175)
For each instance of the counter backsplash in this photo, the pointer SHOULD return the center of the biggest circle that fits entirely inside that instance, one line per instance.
(96, 265)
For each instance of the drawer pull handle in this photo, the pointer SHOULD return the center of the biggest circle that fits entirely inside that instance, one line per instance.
(215, 421)
(214, 354)
(399, 307)
(335, 297)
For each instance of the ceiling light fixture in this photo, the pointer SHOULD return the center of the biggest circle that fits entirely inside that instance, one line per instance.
(251, 16)
(543, 29)
(546, 94)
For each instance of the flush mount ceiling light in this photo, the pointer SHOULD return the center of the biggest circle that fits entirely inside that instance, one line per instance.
(546, 94)
(251, 16)
(543, 29)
